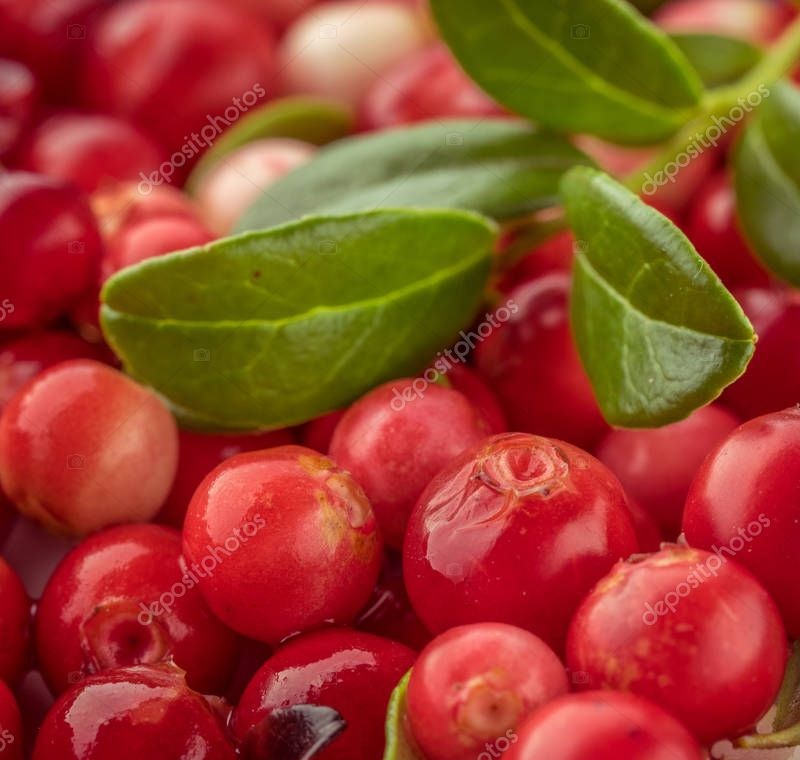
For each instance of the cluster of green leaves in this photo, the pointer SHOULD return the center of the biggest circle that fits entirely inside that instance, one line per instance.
(339, 279)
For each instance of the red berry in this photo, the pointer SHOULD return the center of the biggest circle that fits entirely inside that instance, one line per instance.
(353, 673)
(554, 255)
(474, 684)
(689, 630)
(318, 433)
(19, 96)
(603, 725)
(467, 381)
(291, 539)
(133, 713)
(83, 447)
(397, 437)
(158, 64)
(199, 453)
(744, 500)
(714, 231)
(15, 611)
(516, 530)
(90, 150)
(10, 726)
(648, 534)
(126, 597)
(656, 466)
(51, 249)
(533, 366)
(427, 85)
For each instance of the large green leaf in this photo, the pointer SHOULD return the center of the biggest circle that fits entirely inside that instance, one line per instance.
(594, 66)
(500, 168)
(718, 60)
(398, 744)
(767, 171)
(273, 328)
(657, 332)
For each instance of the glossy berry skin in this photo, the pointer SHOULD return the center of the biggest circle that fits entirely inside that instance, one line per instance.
(745, 497)
(533, 366)
(352, 672)
(396, 438)
(90, 150)
(302, 543)
(199, 453)
(603, 725)
(713, 229)
(131, 713)
(466, 380)
(157, 64)
(678, 617)
(656, 466)
(51, 249)
(427, 85)
(10, 726)
(19, 97)
(15, 613)
(516, 530)
(125, 596)
(469, 687)
(77, 465)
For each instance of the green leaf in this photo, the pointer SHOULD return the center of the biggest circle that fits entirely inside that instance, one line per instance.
(657, 332)
(274, 328)
(314, 120)
(767, 178)
(594, 66)
(398, 744)
(500, 168)
(718, 60)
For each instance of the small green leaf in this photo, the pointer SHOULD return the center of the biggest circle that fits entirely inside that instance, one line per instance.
(767, 172)
(718, 60)
(274, 328)
(657, 332)
(398, 744)
(594, 66)
(314, 120)
(500, 168)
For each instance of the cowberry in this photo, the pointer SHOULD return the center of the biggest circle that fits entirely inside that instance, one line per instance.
(291, 538)
(603, 725)
(278, 12)
(532, 364)
(684, 616)
(318, 433)
(15, 611)
(353, 673)
(554, 255)
(396, 438)
(466, 380)
(77, 464)
(51, 249)
(125, 596)
(19, 96)
(131, 713)
(10, 726)
(744, 499)
(516, 530)
(656, 466)
(475, 684)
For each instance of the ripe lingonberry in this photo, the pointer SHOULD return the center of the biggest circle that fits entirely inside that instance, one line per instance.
(77, 465)
(125, 596)
(292, 540)
(19, 96)
(476, 683)
(15, 613)
(744, 498)
(656, 466)
(318, 433)
(10, 726)
(684, 616)
(516, 530)
(131, 713)
(396, 438)
(554, 255)
(353, 673)
(466, 380)
(603, 725)
(532, 364)
(279, 12)
(51, 249)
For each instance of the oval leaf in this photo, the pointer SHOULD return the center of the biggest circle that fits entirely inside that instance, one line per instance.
(398, 743)
(657, 332)
(500, 168)
(314, 120)
(273, 328)
(593, 66)
(767, 172)
(718, 60)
